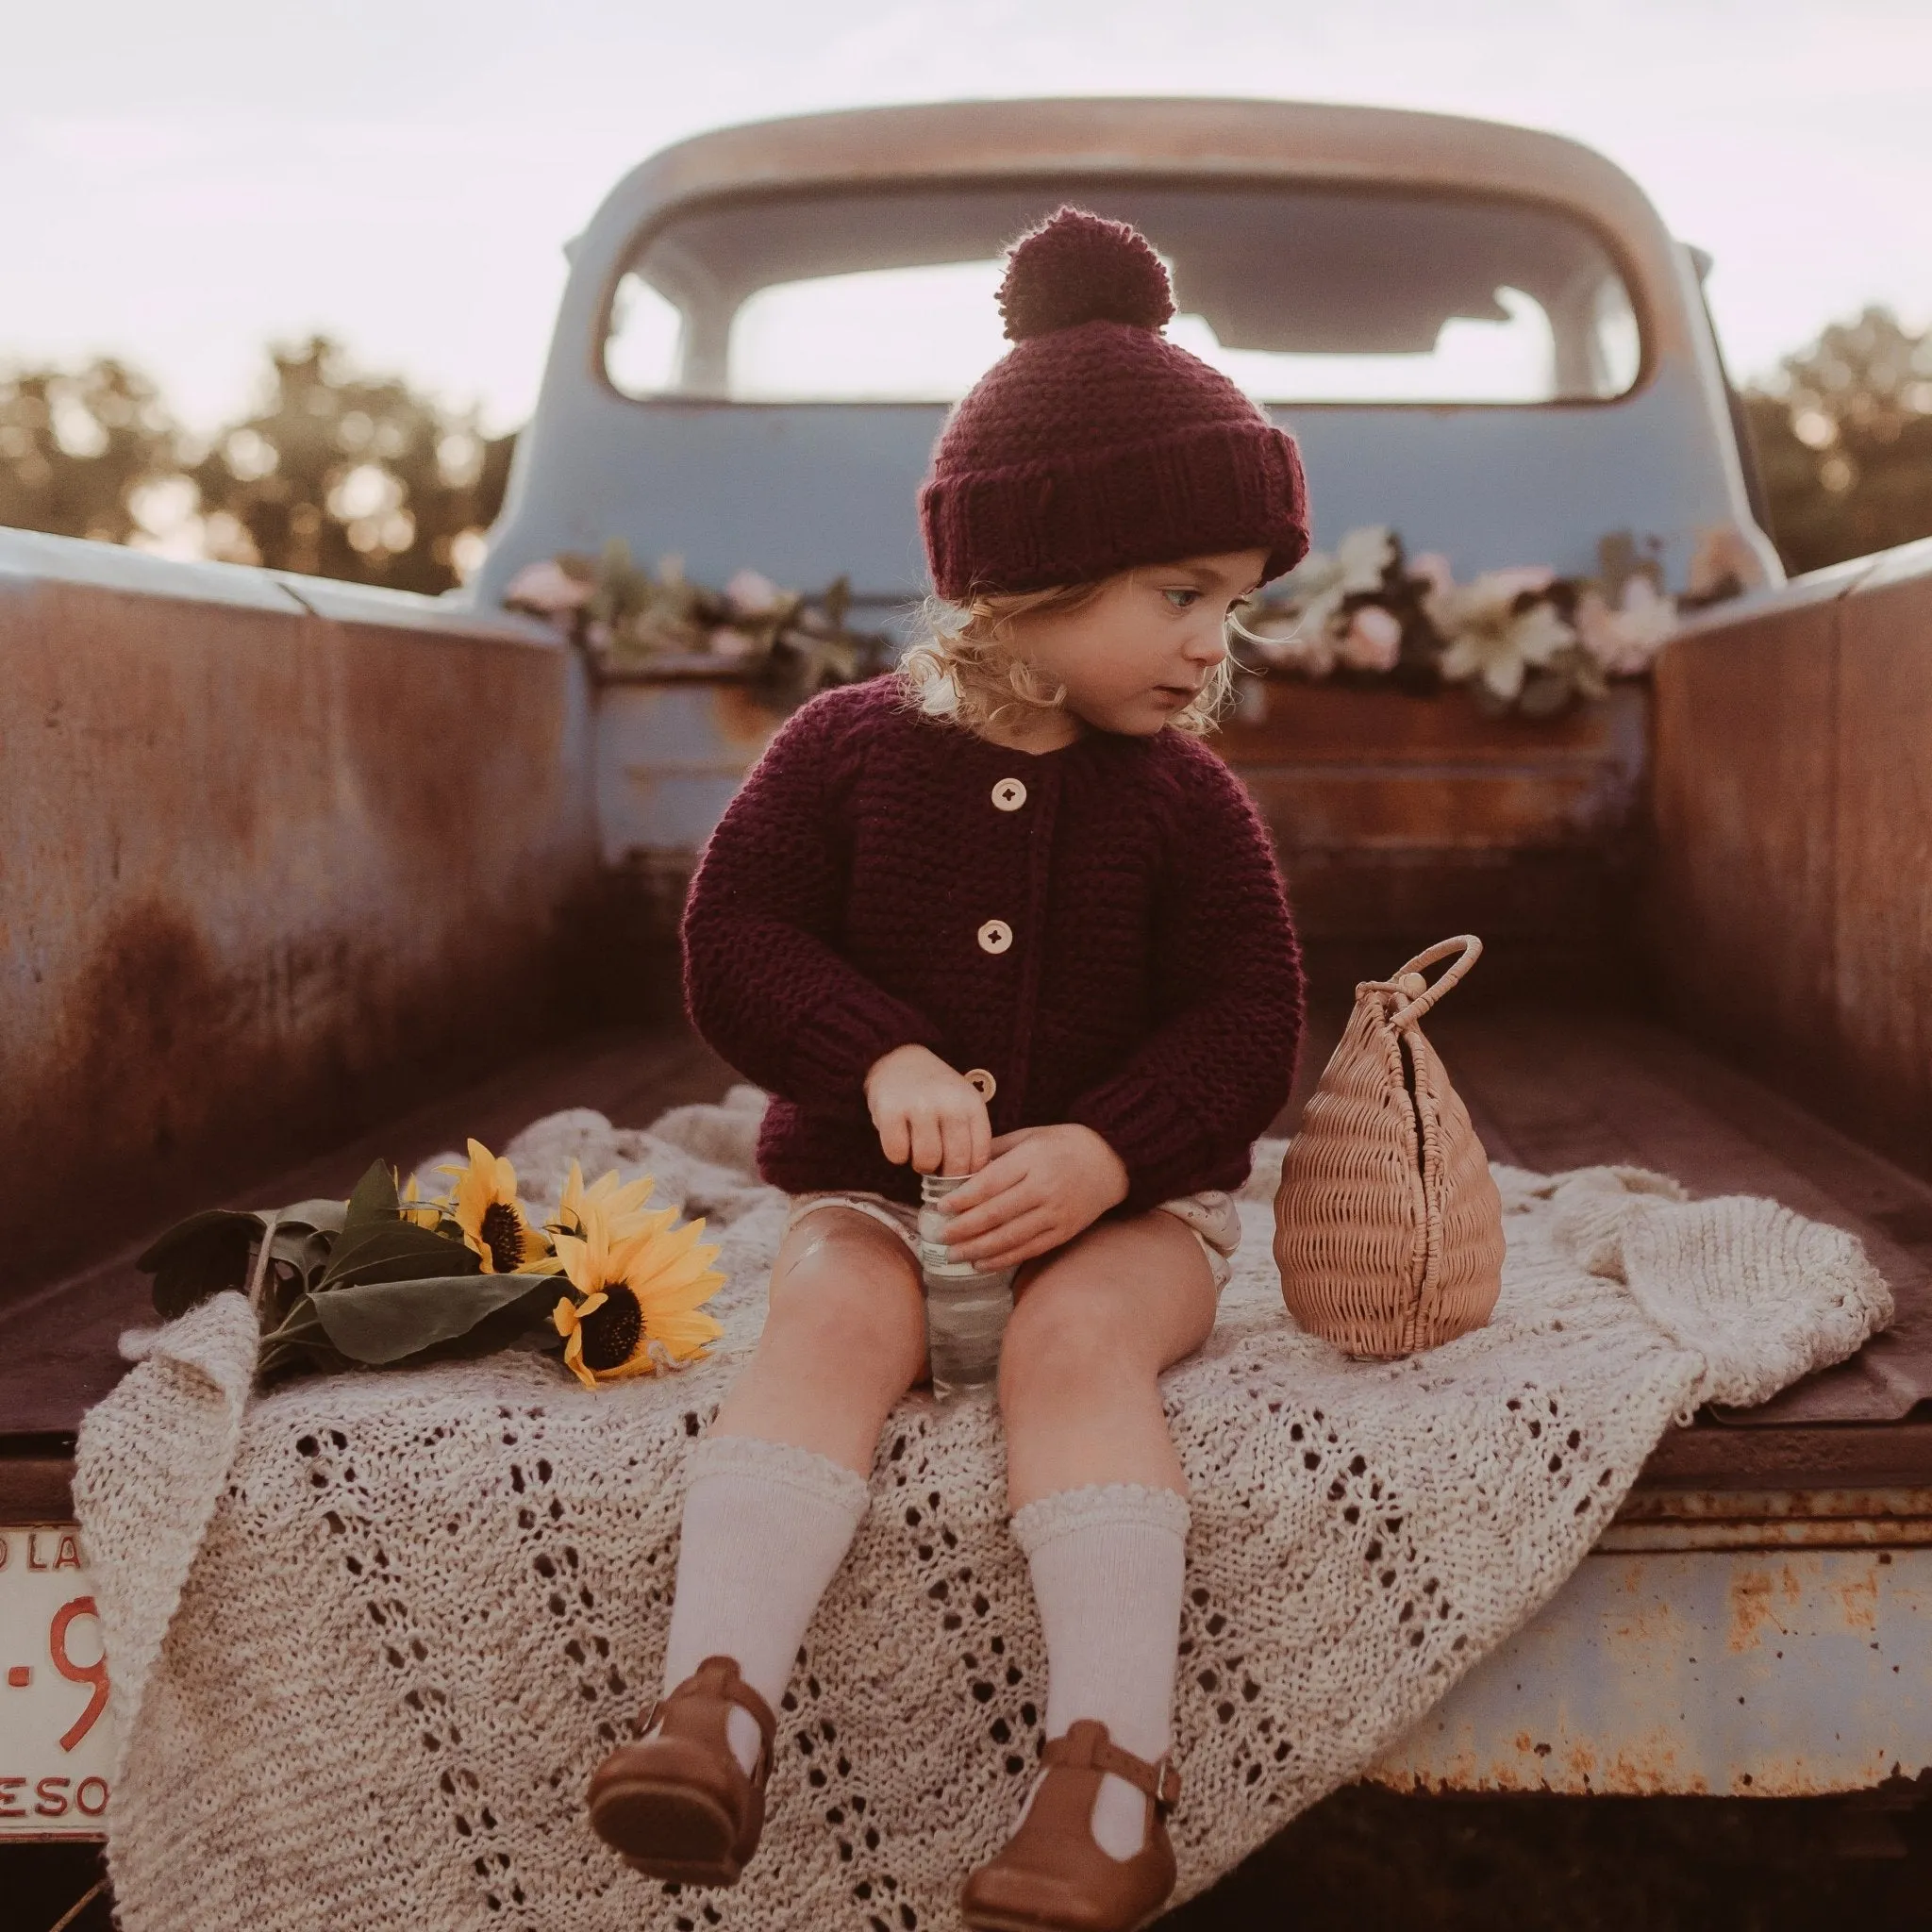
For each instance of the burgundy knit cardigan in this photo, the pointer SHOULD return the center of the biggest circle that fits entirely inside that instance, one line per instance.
(1100, 928)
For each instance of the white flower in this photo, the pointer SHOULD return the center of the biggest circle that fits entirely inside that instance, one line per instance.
(1315, 575)
(1292, 640)
(1372, 641)
(1490, 639)
(1362, 556)
(752, 594)
(1294, 628)
(1520, 577)
(1625, 640)
(547, 588)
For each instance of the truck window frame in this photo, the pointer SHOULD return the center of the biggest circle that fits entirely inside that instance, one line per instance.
(1642, 307)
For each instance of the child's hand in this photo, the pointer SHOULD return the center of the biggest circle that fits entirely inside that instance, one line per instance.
(1043, 1186)
(926, 1113)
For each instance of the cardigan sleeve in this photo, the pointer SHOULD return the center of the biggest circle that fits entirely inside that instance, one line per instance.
(1218, 1067)
(764, 983)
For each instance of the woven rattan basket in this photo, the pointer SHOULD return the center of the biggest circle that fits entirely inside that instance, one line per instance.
(1388, 1227)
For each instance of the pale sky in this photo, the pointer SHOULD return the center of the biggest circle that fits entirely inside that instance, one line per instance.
(182, 180)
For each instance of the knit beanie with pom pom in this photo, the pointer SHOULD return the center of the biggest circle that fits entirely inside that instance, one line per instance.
(1095, 443)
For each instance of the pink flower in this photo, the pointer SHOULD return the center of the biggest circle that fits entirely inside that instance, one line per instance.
(752, 594)
(1372, 641)
(1432, 569)
(547, 588)
(1724, 559)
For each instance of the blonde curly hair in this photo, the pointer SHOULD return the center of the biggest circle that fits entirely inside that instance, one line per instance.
(965, 667)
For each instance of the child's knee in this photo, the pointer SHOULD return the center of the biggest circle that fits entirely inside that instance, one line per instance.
(841, 1314)
(1061, 1343)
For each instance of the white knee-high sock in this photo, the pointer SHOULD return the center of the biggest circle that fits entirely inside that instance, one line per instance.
(766, 1527)
(1108, 1566)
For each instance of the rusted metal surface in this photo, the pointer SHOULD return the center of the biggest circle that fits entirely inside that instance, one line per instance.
(1380, 771)
(1555, 1087)
(1400, 818)
(1769, 1673)
(1842, 1454)
(269, 874)
(1882, 908)
(1791, 917)
(1770, 1520)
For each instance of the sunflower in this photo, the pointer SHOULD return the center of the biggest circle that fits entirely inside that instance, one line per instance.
(413, 1207)
(492, 1220)
(640, 1292)
(618, 1204)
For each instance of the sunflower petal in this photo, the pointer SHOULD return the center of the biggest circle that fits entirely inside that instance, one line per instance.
(573, 1361)
(672, 1301)
(687, 1336)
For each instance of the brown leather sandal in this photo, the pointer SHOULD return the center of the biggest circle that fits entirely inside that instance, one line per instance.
(1051, 1876)
(676, 1803)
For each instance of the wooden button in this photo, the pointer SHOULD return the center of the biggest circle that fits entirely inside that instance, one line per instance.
(982, 1083)
(996, 936)
(1009, 794)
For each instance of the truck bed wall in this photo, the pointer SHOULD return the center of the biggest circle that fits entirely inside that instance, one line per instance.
(1791, 919)
(277, 856)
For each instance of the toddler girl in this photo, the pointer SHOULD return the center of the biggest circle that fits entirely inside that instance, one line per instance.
(1001, 914)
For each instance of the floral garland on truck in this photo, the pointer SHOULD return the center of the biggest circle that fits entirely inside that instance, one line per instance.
(1524, 639)
(1364, 613)
(786, 644)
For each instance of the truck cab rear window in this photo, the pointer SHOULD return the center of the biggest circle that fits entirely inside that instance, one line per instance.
(1300, 295)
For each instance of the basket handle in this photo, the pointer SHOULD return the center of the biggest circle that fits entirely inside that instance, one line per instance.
(1421, 1000)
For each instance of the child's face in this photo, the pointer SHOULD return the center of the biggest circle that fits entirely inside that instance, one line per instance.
(1143, 648)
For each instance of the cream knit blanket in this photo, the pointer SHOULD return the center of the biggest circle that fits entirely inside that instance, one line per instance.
(369, 1634)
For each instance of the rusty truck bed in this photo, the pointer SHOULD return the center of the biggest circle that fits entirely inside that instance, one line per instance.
(1548, 1087)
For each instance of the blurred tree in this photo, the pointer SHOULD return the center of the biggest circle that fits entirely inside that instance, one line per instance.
(78, 448)
(1845, 442)
(352, 475)
(343, 474)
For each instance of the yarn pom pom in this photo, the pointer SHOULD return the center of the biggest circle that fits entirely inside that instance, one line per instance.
(1079, 268)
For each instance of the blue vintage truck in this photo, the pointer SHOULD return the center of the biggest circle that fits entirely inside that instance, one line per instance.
(235, 965)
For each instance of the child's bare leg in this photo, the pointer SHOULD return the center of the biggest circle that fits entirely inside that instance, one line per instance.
(1100, 1504)
(1092, 1330)
(778, 1488)
(844, 1337)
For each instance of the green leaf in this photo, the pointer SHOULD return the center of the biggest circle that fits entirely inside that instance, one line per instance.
(389, 1321)
(206, 1255)
(207, 1252)
(325, 1217)
(300, 1324)
(185, 1232)
(392, 1251)
(374, 1199)
(298, 1345)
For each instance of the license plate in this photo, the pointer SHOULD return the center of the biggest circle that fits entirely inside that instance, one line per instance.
(57, 1741)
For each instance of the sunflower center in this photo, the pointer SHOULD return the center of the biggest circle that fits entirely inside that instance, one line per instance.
(611, 1333)
(503, 1234)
